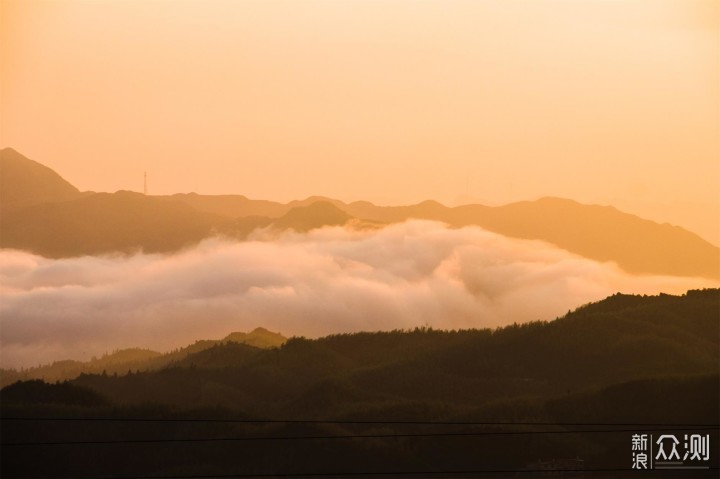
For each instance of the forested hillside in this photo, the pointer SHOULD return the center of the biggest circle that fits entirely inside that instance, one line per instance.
(135, 359)
(517, 393)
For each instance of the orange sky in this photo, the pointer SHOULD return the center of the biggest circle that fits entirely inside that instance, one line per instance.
(602, 101)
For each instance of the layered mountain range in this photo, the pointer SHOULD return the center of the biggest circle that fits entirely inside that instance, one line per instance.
(42, 213)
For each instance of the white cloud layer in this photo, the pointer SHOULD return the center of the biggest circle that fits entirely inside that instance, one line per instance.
(327, 281)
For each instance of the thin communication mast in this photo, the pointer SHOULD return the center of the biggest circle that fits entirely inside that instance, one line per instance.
(145, 185)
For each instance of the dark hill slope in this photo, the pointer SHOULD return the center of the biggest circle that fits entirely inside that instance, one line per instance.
(576, 387)
(137, 359)
(617, 340)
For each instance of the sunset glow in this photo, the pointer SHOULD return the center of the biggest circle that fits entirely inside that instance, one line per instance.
(359, 239)
(394, 102)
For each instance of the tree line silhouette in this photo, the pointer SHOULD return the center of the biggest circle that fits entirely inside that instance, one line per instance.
(544, 391)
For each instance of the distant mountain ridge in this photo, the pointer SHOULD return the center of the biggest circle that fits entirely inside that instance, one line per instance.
(137, 359)
(53, 219)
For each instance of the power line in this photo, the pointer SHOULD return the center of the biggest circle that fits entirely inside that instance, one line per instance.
(375, 473)
(332, 437)
(369, 422)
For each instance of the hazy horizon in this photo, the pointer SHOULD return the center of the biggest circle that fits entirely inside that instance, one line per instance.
(460, 201)
(396, 102)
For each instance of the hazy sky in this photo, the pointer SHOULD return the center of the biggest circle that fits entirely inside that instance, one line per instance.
(614, 102)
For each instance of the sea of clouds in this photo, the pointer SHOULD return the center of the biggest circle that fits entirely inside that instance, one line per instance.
(331, 280)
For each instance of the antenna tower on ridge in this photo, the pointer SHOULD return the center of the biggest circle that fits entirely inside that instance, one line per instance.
(145, 185)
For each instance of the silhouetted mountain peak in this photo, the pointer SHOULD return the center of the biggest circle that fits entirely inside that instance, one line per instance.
(24, 182)
(431, 204)
(258, 337)
(315, 215)
(10, 152)
(314, 199)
